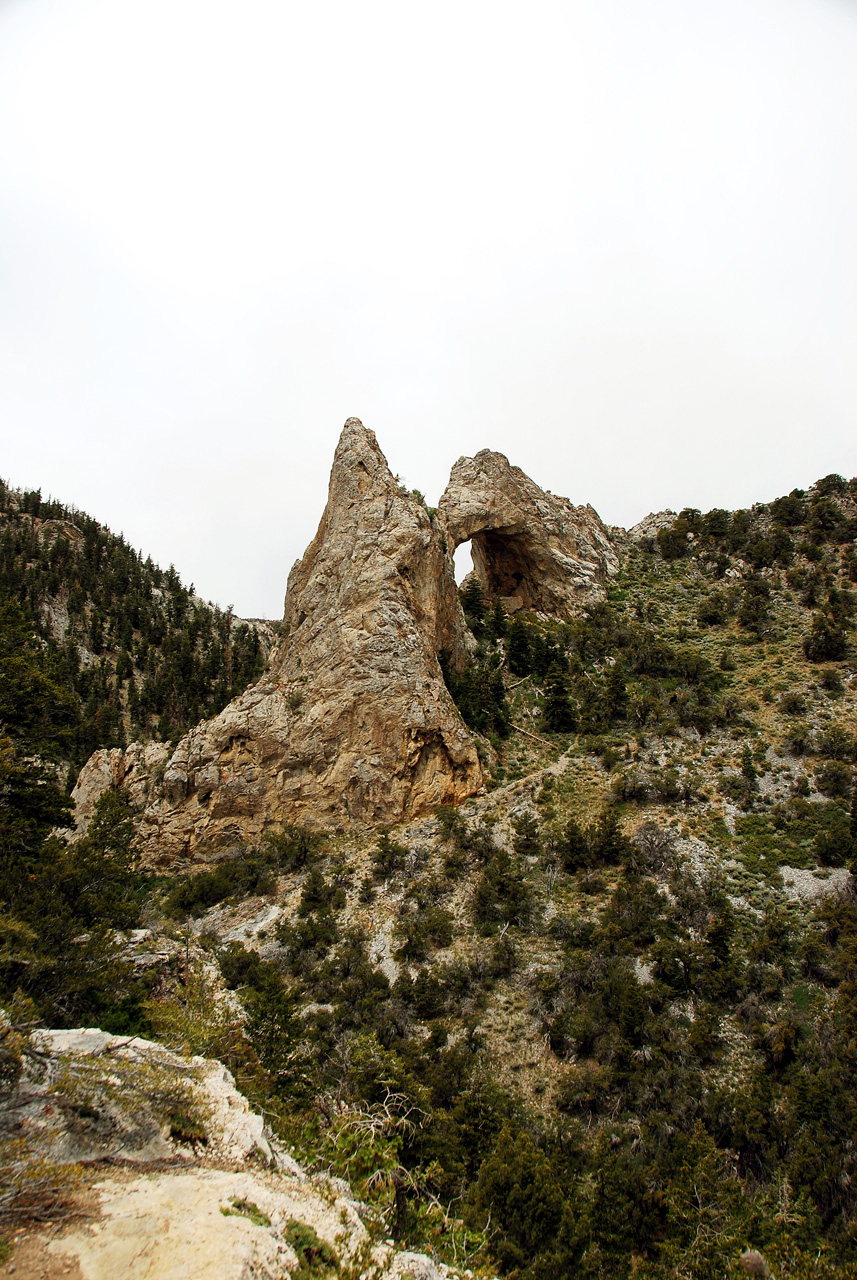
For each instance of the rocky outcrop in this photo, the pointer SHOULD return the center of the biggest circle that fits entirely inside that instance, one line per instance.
(94, 1097)
(190, 1183)
(651, 525)
(530, 547)
(351, 723)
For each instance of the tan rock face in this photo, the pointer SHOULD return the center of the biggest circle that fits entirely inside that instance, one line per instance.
(351, 723)
(527, 545)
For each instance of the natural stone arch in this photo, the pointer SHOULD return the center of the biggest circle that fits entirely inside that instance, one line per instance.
(351, 724)
(532, 548)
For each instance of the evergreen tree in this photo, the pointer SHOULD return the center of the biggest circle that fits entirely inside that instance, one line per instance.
(499, 621)
(473, 604)
(575, 847)
(754, 613)
(609, 845)
(527, 840)
(826, 641)
(518, 648)
(517, 1193)
(560, 715)
(615, 693)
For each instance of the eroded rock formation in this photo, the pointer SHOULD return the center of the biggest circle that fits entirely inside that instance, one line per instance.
(352, 724)
(534, 549)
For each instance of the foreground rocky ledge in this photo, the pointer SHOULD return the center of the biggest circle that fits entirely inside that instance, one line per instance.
(200, 1193)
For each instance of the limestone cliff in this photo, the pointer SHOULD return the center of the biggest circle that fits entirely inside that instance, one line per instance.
(351, 723)
(534, 549)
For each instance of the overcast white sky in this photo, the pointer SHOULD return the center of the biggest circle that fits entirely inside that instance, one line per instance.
(615, 239)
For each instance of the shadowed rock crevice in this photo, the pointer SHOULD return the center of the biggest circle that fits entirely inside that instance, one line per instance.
(506, 566)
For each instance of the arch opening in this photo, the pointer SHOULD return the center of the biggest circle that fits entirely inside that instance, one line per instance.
(506, 567)
(463, 561)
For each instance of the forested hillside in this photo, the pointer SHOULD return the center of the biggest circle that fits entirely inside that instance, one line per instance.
(130, 651)
(96, 645)
(596, 1022)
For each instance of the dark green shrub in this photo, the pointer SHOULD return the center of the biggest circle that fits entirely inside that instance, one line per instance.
(388, 857)
(834, 847)
(423, 931)
(479, 693)
(575, 847)
(517, 1193)
(826, 640)
(518, 655)
(713, 611)
(292, 847)
(672, 543)
(313, 1252)
(754, 613)
(240, 967)
(242, 874)
(831, 681)
(473, 604)
(833, 778)
(833, 483)
(716, 523)
(789, 511)
(451, 822)
(502, 895)
(798, 738)
(527, 839)
(838, 743)
(560, 714)
(792, 703)
(319, 894)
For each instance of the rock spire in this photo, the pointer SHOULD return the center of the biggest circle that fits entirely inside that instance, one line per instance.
(351, 724)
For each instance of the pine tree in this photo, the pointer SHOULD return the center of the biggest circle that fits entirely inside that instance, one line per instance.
(472, 600)
(499, 620)
(575, 847)
(826, 641)
(748, 768)
(518, 648)
(527, 840)
(560, 715)
(615, 694)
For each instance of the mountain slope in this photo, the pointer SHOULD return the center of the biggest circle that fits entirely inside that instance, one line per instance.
(597, 1021)
(136, 651)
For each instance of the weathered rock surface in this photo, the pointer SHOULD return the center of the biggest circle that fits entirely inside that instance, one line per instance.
(351, 723)
(209, 1224)
(93, 1096)
(227, 1207)
(531, 547)
(651, 525)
